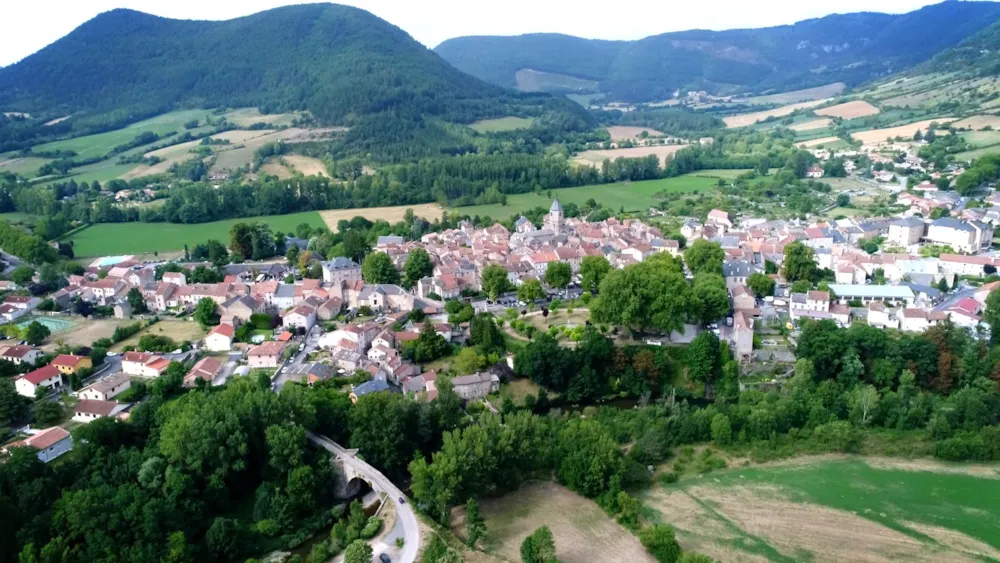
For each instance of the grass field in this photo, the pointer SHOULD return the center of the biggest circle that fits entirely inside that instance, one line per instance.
(849, 110)
(981, 139)
(905, 131)
(178, 330)
(621, 132)
(583, 533)
(809, 94)
(746, 119)
(136, 238)
(501, 124)
(429, 211)
(634, 196)
(837, 509)
(810, 125)
(977, 122)
(245, 117)
(529, 80)
(25, 166)
(287, 165)
(101, 171)
(974, 154)
(597, 157)
(100, 144)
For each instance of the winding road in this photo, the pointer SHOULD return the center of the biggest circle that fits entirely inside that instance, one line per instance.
(381, 484)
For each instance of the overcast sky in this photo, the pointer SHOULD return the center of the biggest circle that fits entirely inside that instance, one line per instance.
(29, 25)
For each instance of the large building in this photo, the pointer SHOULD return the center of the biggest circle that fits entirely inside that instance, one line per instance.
(963, 236)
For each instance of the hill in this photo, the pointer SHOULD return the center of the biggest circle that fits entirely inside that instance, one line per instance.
(850, 48)
(976, 53)
(339, 63)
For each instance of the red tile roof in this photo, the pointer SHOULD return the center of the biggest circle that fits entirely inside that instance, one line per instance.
(41, 374)
(225, 329)
(66, 360)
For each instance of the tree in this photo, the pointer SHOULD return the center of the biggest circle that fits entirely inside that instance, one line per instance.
(12, 405)
(223, 538)
(992, 315)
(592, 271)
(355, 245)
(722, 430)
(660, 542)
(539, 547)
(709, 290)
(418, 266)
(378, 268)
(358, 552)
(36, 333)
(558, 274)
(48, 413)
(650, 294)
(864, 400)
(704, 256)
(205, 312)
(136, 301)
(475, 525)
(22, 275)
(761, 284)
(469, 361)
(799, 262)
(530, 291)
(484, 334)
(495, 281)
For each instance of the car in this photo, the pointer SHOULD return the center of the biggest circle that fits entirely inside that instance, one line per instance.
(383, 558)
(402, 500)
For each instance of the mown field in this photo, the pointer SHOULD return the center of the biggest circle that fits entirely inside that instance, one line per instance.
(108, 239)
(837, 509)
(501, 124)
(634, 196)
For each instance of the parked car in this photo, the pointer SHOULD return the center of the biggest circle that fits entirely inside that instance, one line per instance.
(383, 558)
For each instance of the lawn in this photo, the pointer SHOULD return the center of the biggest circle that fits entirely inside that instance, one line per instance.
(101, 143)
(501, 124)
(633, 196)
(837, 509)
(137, 238)
(178, 330)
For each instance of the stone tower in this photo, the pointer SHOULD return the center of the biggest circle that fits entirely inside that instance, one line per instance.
(555, 217)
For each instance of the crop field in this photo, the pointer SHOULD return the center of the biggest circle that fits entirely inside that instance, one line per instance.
(529, 80)
(969, 156)
(245, 117)
(23, 165)
(138, 238)
(810, 125)
(286, 166)
(597, 157)
(634, 196)
(834, 508)
(429, 211)
(622, 132)
(905, 131)
(978, 122)
(501, 124)
(101, 143)
(746, 119)
(583, 533)
(176, 329)
(849, 110)
(824, 142)
(100, 171)
(806, 95)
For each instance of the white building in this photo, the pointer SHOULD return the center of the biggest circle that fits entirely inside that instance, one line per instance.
(963, 236)
(107, 388)
(49, 443)
(220, 338)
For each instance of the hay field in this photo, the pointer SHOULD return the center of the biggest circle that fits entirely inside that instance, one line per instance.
(795, 96)
(583, 533)
(85, 332)
(596, 157)
(905, 131)
(286, 166)
(245, 144)
(836, 509)
(849, 110)
(746, 119)
(24, 165)
(622, 132)
(245, 117)
(977, 122)
(176, 329)
(817, 142)
(811, 125)
(501, 124)
(429, 211)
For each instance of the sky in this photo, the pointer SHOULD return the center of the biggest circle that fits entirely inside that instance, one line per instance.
(29, 25)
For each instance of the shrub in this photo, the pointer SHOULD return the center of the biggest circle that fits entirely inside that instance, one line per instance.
(371, 528)
(669, 478)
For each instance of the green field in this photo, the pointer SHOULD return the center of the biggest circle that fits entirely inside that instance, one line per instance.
(502, 124)
(980, 139)
(634, 196)
(99, 145)
(839, 510)
(974, 154)
(101, 171)
(137, 238)
(26, 166)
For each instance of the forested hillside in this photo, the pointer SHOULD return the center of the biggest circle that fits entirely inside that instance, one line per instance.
(339, 63)
(977, 53)
(851, 48)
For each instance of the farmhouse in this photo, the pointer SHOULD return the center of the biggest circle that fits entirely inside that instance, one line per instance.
(475, 386)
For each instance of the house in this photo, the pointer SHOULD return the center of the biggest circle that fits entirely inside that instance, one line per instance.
(45, 377)
(737, 272)
(742, 335)
(814, 171)
(20, 354)
(963, 236)
(814, 304)
(743, 298)
(176, 278)
(341, 269)
(68, 364)
(330, 308)
(49, 443)
(917, 320)
(220, 338)
(266, 354)
(720, 218)
(905, 232)
(207, 368)
(373, 386)
(239, 308)
(475, 386)
(302, 316)
(385, 297)
(87, 410)
(107, 388)
(143, 364)
(898, 294)
(123, 310)
(311, 373)
(880, 316)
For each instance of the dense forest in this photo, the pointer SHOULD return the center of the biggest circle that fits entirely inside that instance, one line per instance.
(850, 48)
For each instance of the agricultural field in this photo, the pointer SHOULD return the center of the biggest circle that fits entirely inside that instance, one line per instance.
(429, 211)
(100, 144)
(746, 119)
(245, 117)
(287, 165)
(502, 124)
(634, 196)
(23, 165)
(84, 332)
(849, 110)
(806, 95)
(811, 125)
(978, 122)
(245, 144)
(969, 156)
(905, 131)
(622, 132)
(835, 508)
(823, 142)
(176, 329)
(100, 171)
(597, 157)
(106, 239)
(583, 533)
(529, 80)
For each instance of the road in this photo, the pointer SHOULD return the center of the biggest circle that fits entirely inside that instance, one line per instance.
(963, 292)
(380, 483)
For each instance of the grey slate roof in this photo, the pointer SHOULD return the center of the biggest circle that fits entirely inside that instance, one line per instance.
(952, 223)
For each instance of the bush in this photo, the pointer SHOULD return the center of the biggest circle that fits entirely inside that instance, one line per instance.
(669, 478)
(371, 528)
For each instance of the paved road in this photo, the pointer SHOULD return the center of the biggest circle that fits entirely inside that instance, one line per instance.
(380, 483)
(962, 293)
(309, 343)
